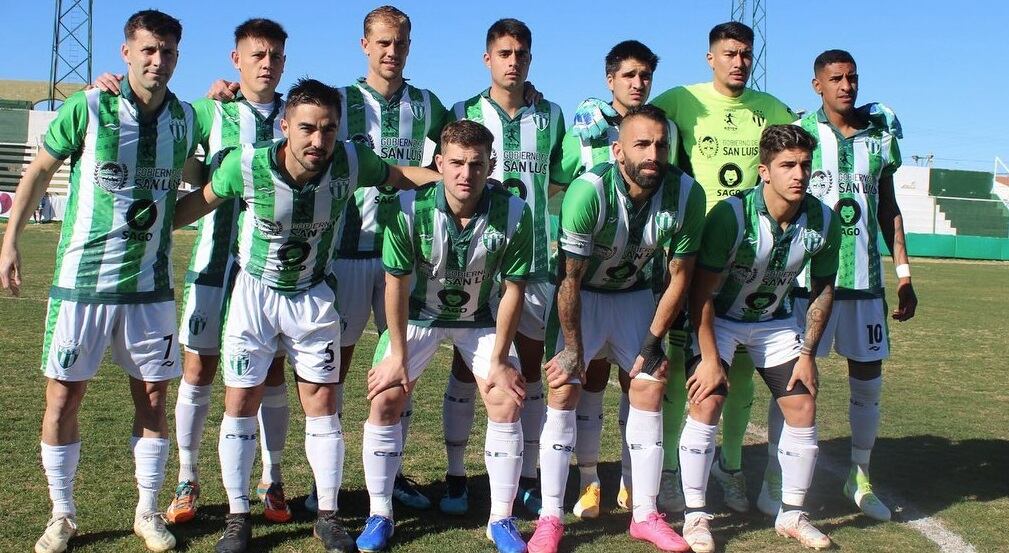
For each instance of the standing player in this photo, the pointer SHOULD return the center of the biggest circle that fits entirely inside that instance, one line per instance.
(753, 247)
(527, 143)
(113, 280)
(443, 252)
(853, 166)
(630, 66)
(284, 293)
(394, 119)
(614, 219)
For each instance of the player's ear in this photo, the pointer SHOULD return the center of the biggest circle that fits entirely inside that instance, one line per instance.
(618, 152)
(711, 59)
(438, 160)
(764, 172)
(234, 58)
(124, 52)
(364, 45)
(816, 86)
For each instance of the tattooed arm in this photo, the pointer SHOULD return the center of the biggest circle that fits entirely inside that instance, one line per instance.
(891, 225)
(821, 301)
(570, 361)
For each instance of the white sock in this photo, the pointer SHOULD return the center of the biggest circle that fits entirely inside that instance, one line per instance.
(60, 465)
(149, 458)
(589, 426)
(404, 420)
(338, 392)
(797, 452)
(531, 415)
(383, 455)
(237, 451)
(697, 451)
(863, 416)
(274, 419)
(625, 454)
(644, 440)
(324, 449)
(503, 457)
(556, 444)
(457, 422)
(775, 420)
(191, 408)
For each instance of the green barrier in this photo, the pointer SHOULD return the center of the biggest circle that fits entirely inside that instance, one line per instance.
(952, 246)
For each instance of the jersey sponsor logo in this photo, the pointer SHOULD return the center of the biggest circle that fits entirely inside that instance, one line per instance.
(512, 134)
(850, 213)
(364, 140)
(178, 128)
(759, 302)
(310, 230)
(541, 120)
(522, 161)
(417, 107)
(67, 353)
(111, 176)
(515, 186)
(730, 175)
(399, 148)
(238, 362)
(820, 183)
(267, 227)
(493, 240)
(812, 240)
(621, 272)
(197, 322)
(708, 146)
(857, 183)
(340, 187)
(140, 217)
(453, 300)
(462, 278)
(743, 274)
(778, 278)
(292, 254)
(730, 121)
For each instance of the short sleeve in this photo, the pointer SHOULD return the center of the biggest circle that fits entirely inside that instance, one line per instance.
(824, 263)
(517, 257)
(893, 156)
(579, 216)
(718, 237)
(228, 181)
(371, 170)
(568, 166)
(688, 240)
(397, 246)
(780, 114)
(204, 111)
(66, 133)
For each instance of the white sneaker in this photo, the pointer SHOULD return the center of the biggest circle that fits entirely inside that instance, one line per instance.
(697, 532)
(858, 489)
(57, 534)
(150, 527)
(733, 485)
(795, 524)
(769, 500)
(670, 498)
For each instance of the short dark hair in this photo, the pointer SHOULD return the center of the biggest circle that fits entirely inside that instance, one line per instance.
(733, 30)
(829, 57)
(311, 91)
(261, 28)
(630, 49)
(155, 22)
(387, 14)
(778, 138)
(468, 134)
(510, 27)
(647, 111)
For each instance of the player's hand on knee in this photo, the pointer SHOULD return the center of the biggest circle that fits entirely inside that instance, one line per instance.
(508, 380)
(107, 82)
(222, 90)
(10, 270)
(907, 302)
(388, 373)
(564, 366)
(708, 377)
(805, 371)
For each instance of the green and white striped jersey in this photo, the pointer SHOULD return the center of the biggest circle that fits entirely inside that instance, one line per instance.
(760, 260)
(599, 223)
(230, 124)
(578, 155)
(396, 130)
(526, 150)
(116, 240)
(287, 234)
(846, 175)
(454, 270)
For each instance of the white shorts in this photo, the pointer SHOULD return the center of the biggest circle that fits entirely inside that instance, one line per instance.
(614, 325)
(200, 327)
(360, 291)
(535, 308)
(142, 336)
(864, 333)
(475, 345)
(769, 343)
(260, 321)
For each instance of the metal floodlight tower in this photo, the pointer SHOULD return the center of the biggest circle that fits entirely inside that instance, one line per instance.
(71, 55)
(756, 18)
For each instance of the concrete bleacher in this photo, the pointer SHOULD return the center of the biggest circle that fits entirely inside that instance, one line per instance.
(966, 199)
(14, 158)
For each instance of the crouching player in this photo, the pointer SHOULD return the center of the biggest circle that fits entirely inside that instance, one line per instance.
(752, 248)
(442, 253)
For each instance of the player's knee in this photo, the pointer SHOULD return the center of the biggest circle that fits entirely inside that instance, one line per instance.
(799, 410)
(199, 369)
(63, 400)
(647, 393)
(865, 370)
(500, 406)
(387, 407)
(564, 397)
(709, 410)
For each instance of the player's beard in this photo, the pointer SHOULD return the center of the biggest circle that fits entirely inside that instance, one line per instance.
(650, 181)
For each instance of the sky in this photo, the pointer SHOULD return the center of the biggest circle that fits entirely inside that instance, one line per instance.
(939, 65)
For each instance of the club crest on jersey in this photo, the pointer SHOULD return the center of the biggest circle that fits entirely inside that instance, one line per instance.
(364, 140)
(239, 361)
(111, 176)
(339, 188)
(197, 323)
(67, 353)
(664, 221)
(812, 240)
(873, 145)
(493, 240)
(417, 107)
(178, 129)
(268, 227)
(541, 120)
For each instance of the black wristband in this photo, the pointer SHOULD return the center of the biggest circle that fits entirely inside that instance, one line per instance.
(652, 353)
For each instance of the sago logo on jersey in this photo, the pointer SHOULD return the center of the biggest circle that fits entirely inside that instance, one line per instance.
(453, 300)
(111, 176)
(67, 353)
(760, 302)
(493, 240)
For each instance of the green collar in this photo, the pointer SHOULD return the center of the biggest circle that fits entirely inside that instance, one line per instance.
(277, 103)
(275, 166)
(821, 117)
(482, 205)
(126, 93)
(396, 96)
(761, 207)
(501, 112)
